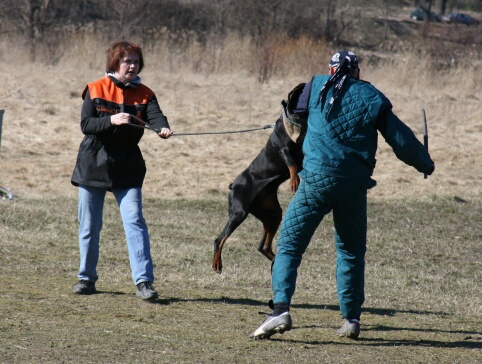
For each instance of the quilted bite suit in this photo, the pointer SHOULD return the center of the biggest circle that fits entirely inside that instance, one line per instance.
(339, 159)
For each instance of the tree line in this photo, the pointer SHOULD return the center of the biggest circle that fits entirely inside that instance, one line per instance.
(43, 23)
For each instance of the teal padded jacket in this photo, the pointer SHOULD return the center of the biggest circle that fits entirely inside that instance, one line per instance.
(345, 143)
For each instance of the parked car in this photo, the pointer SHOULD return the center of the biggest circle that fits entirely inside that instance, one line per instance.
(420, 14)
(463, 19)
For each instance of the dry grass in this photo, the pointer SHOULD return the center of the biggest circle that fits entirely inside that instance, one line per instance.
(41, 125)
(423, 289)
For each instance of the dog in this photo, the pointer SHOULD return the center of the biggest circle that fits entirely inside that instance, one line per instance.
(255, 190)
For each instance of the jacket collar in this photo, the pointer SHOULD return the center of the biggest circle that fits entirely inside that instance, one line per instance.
(136, 81)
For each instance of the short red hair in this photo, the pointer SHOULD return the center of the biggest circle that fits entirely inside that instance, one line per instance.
(118, 51)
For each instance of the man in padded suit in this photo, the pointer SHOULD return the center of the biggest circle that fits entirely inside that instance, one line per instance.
(344, 117)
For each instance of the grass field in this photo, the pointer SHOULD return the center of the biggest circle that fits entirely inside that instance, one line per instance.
(423, 288)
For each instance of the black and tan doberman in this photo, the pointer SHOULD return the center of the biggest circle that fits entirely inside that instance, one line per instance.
(255, 190)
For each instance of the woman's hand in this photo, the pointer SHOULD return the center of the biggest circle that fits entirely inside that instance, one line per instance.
(165, 133)
(120, 119)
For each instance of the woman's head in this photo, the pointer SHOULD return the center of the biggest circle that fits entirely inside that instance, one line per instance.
(123, 51)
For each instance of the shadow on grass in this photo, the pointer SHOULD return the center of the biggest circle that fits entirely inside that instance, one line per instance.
(257, 303)
(472, 340)
(467, 344)
(423, 343)
(373, 311)
(110, 293)
(386, 342)
(389, 328)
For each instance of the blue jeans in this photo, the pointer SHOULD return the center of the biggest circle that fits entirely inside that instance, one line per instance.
(91, 205)
(313, 200)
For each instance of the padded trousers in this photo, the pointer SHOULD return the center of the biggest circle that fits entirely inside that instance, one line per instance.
(317, 196)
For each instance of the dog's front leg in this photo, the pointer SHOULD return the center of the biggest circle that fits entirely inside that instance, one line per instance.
(294, 179)
(293, 169)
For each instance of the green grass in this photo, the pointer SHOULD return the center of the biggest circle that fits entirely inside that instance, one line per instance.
(423, 288)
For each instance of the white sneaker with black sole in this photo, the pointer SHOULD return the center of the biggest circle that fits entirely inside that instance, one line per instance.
(273, 325)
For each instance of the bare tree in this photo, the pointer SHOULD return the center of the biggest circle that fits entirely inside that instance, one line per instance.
(220, 13)
(38, 21)
(329, 18)
(346, 16)
(127, 17)
(31, 20)
(443, 7)
(266, 19)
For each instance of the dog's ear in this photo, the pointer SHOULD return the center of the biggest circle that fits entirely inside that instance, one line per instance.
(295, 124)
(294, 95)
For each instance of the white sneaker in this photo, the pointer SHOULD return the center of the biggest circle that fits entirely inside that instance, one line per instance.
(350, 329)
(273, 325)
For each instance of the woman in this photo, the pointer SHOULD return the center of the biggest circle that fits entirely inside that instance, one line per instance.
(109, 159)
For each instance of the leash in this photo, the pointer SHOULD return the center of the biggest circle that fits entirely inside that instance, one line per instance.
(145, 125)
(425, 135)
(227, 132)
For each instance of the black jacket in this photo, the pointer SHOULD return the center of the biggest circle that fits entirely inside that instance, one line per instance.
(109, 155)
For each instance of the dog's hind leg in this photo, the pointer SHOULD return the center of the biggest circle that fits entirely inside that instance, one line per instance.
(265, 244)
(238, 211)
(268, 210)
(232, 224)
(217, 264)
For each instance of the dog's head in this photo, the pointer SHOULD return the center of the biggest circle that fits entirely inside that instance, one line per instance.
(294, 125)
